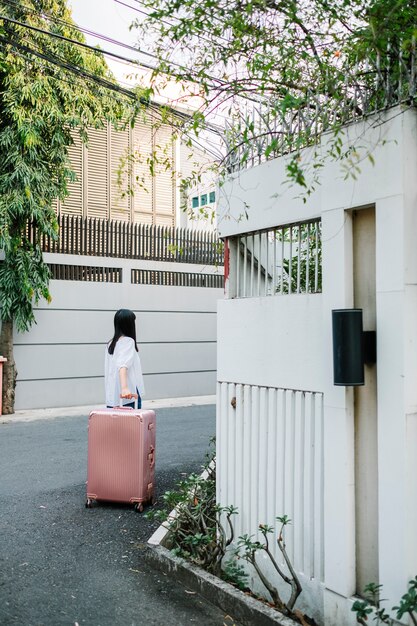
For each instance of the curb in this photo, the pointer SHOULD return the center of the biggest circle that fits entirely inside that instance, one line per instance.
(31, 415)
(245, 609)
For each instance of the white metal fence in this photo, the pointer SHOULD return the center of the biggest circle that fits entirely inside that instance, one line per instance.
(270, 463)
(277, 261)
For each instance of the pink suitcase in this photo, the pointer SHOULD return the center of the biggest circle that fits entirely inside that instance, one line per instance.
(121, 456)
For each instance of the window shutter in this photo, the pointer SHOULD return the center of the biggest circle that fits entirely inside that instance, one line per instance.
(165, 177)
(98, 173)
(143, 199)
(73, 204)
(119, 185)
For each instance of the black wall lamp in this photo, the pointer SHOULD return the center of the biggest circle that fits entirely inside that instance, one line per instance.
(352, 347)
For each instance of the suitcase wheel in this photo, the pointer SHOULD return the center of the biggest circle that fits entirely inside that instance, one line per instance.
(88, 503)
(139, 507)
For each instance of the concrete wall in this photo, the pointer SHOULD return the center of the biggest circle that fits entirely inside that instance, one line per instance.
(60, 360)
(285, 343)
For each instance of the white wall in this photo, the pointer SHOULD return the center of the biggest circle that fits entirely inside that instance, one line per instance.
(60, 360)
(286, 342)
(273, 355)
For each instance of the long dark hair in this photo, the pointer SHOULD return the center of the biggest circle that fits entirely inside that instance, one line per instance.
(124, 326)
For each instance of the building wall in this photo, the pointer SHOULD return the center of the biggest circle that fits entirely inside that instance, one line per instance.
(113, 180)
(282, 345)
(198, 204)
(60, 360)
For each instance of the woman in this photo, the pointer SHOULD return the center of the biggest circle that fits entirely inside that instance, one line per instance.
(122, 369)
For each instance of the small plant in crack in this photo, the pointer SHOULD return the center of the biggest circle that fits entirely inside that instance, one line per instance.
(248, 549)
(370, 607)
(200, 529)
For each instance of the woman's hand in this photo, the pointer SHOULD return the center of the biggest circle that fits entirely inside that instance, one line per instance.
(125, 393)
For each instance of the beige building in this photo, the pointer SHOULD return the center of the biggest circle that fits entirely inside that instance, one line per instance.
(114, 180)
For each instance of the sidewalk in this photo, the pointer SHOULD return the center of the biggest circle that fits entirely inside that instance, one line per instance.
(30, 415)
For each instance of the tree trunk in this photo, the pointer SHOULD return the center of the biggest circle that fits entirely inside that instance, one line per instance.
(9, 368)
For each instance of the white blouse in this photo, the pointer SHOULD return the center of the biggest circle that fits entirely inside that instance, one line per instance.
(124, 355)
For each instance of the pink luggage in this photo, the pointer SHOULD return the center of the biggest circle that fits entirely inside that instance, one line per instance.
(121, 456)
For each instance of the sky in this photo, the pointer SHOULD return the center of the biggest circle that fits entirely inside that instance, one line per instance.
(111, 19)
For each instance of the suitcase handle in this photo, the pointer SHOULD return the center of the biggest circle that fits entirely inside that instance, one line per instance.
(136, 398)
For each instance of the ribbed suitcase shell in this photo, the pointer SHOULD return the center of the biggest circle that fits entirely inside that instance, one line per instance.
(121, 455)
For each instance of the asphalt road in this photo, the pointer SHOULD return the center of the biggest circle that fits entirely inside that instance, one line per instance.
(61, 563)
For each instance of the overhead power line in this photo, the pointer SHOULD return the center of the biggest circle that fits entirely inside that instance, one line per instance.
(76, 42)
(81, 72)
(99, 36)
(69, 67)
(73, 26)
(92, 48)
(216, 82)
(84, 74)
(190, 74)
(173, 17)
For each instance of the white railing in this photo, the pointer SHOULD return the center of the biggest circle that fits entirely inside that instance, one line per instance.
(278, 261)
(270, 462)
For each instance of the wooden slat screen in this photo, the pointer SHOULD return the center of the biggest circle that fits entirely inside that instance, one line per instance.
(86, 273)
(120, 239)
(176, 279)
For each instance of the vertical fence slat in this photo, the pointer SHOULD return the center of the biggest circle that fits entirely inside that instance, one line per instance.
(307, 286)
(238, 267)
(299, 259)
(290, 264)
(274, 269)
(259, 237)
(245, 266)
(252, 265)
(282, 260)
(316, 265)
(266, 264)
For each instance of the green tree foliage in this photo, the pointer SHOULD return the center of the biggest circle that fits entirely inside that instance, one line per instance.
(41, 103)
(49, 89)
(284, 71)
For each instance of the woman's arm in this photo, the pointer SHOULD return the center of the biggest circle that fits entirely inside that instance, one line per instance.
(124, 360)
(124, 388)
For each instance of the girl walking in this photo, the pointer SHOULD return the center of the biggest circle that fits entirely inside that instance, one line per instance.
(122, 368)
